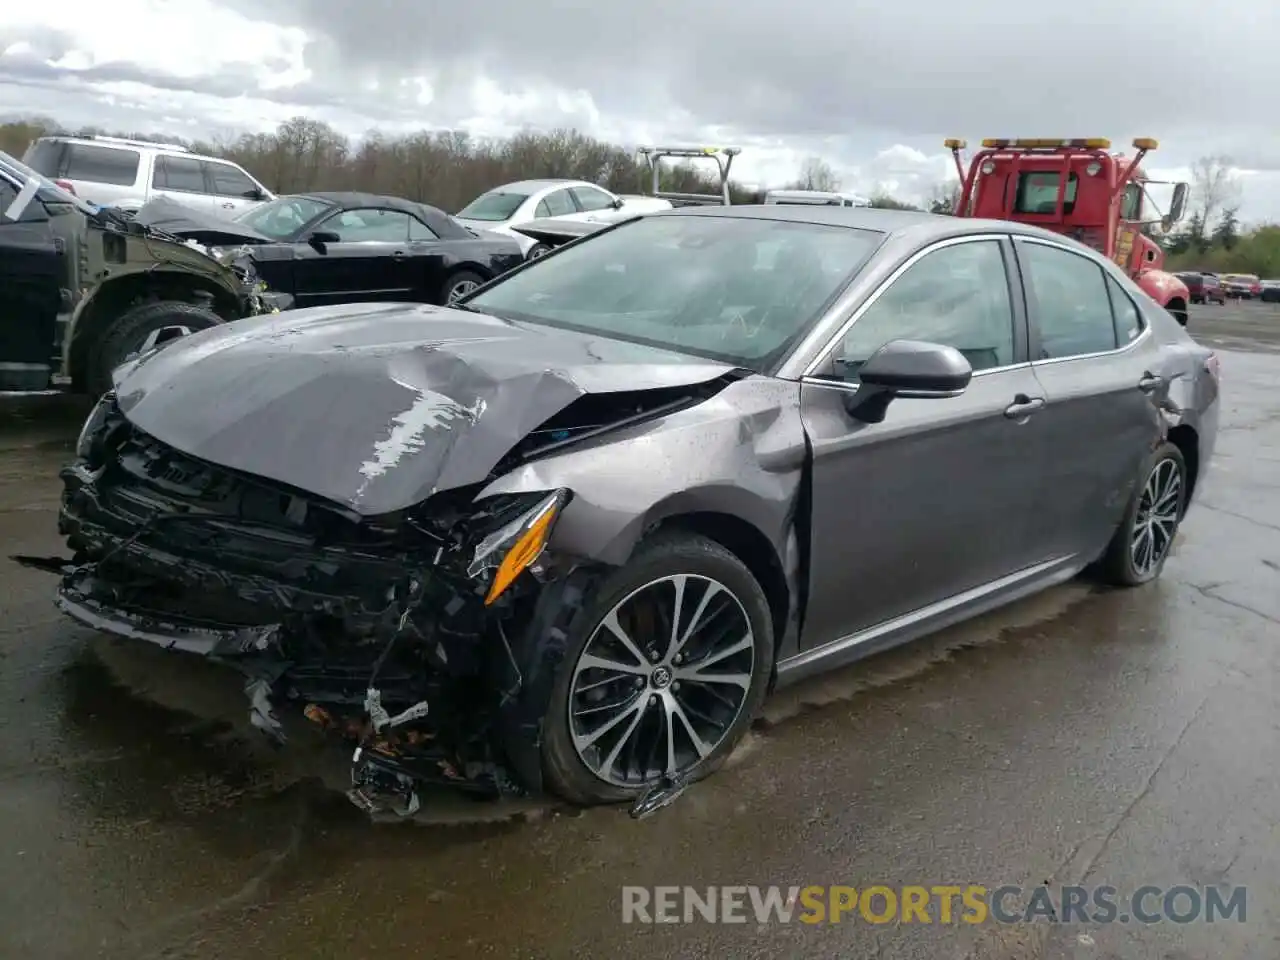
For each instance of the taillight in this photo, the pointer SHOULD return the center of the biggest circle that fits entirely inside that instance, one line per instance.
(65, 185)
(1211, 365)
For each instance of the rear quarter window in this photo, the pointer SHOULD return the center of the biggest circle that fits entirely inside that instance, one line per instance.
(96, 164)
(45, 156)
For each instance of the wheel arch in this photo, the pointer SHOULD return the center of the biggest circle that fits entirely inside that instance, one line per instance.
(113, 297)
(1184, 437)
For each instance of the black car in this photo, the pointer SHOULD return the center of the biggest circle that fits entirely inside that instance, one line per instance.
(328, 248)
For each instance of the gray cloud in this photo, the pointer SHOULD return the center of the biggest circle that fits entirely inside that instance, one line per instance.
(918, 69)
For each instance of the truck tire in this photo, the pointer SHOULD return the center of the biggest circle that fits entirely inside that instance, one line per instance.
(130, 330)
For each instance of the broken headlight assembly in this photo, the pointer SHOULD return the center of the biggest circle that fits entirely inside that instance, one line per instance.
(517, 543)
(94, 431)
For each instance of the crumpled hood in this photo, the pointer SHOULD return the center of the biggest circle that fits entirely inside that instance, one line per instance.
(377, 406)
(180, 220)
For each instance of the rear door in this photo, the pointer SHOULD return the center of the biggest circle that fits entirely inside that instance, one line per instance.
(369, 262)
(1098, 366)
(938, 498)
(31, 270)
(182, 180)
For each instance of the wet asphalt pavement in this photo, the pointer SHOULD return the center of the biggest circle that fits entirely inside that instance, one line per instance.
(1083, 736)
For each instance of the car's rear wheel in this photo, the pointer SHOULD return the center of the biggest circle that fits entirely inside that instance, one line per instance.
(537, 250)
(662, 674)
(1142, 542)
(459, 285)
(130, 331)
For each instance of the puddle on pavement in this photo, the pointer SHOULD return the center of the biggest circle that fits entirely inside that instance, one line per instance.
(183, 727)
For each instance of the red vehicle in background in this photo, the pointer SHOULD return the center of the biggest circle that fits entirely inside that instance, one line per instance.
(1080, 189)
(1204, 287)
(1242, 286)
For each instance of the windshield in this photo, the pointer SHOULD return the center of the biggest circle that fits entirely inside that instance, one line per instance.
(48, 189)
(493, 206)
(283, 217)
(732, 289)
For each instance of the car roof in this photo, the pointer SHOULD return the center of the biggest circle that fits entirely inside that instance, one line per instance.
(531, 186)
(916, 224)
(351, 199)
(137, 146)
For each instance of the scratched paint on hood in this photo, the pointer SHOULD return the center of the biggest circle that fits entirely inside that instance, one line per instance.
(429, 411)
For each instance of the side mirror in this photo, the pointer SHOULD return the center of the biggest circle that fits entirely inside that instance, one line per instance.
(1178, 205)
(254, 193)
(320, 238)
(911, 369)
(618, 204)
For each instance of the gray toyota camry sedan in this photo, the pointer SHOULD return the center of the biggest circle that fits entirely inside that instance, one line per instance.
(567, 534)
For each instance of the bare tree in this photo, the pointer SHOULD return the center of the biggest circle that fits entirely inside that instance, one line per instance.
(1215, 186)
(816, 174)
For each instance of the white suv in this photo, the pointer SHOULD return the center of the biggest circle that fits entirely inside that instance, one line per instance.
(111, 171)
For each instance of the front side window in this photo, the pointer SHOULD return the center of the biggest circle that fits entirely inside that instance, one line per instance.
(1072, 306)
(229, 181)
(733, 289)
(369, 225)
(1131, 203)
(494, 206)
(957, 296)
(284, 217)
(1038, 193)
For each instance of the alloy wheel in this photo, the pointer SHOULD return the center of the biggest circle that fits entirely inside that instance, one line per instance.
(661, 681)
(461, 289)
(1156, 520)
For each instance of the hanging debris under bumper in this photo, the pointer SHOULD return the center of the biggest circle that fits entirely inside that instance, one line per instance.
(411, 635)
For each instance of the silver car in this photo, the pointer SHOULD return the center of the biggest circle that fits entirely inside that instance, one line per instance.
(567, 534)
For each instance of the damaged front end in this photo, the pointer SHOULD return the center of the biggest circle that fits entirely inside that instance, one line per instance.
(396, 631)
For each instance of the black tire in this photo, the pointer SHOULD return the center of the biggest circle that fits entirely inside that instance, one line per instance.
(1118, 566)
(465, 279)
(536, 251)
(665, 555)
(130, 331)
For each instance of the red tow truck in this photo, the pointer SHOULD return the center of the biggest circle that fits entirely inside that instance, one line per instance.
(1079, 188)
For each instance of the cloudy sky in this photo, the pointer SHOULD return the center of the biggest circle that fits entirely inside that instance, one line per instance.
(872, 87)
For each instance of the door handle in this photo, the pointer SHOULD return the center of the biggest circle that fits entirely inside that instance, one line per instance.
(397, 254)
(1150, 383)
(228, 206)
(1023, 406)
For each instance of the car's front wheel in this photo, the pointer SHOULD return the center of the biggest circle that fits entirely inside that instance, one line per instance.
(662, 674)
(1142, 542)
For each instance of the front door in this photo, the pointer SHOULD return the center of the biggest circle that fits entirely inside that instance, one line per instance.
(1099, 369)
(936, 499)
(369, 262)
(31, 271)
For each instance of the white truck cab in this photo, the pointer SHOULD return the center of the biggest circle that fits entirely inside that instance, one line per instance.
(823, 198)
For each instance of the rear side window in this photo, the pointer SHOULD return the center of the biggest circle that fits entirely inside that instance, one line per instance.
(95, 164)
(1071, 304)
(179, 173)
(229, 181)
(1128, 319)
(45, 156)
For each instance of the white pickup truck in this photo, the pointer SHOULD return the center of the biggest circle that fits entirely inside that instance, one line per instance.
(505, 207)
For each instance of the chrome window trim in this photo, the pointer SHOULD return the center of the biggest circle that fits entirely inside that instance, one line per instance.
(844, 303)
(1102, 266)
(852, 387)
